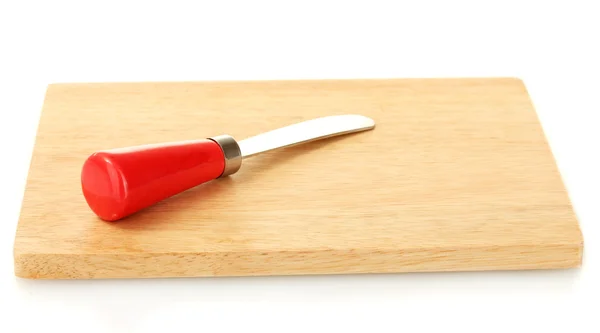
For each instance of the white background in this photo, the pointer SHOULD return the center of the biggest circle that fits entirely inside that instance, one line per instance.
(552, 46)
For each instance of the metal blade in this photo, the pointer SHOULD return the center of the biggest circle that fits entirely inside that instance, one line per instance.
(303, 132)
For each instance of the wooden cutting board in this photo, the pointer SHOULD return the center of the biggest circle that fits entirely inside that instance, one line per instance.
(456, 176)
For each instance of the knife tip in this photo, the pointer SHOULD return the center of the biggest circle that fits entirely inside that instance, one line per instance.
(364, 121)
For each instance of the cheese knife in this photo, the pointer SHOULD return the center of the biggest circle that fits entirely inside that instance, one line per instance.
(119, 182)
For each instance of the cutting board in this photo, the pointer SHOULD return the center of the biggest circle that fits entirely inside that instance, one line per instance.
(456, 176)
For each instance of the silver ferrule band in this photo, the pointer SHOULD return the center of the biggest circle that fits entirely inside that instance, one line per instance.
(231, 151)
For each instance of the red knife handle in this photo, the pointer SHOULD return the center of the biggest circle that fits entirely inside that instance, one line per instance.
(119, 182)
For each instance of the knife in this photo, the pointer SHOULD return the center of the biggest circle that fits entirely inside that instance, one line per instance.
(119, 182)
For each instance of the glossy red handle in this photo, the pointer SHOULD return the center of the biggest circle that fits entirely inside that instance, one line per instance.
(117, 183)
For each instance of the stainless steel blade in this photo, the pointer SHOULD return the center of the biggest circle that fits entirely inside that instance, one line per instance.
(304, 132)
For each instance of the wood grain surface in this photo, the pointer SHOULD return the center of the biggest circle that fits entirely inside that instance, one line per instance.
(457, 175)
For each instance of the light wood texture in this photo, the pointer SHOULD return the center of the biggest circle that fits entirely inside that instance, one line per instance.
(457, 175)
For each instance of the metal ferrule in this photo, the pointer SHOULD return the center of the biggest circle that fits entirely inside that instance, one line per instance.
(231, 151)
